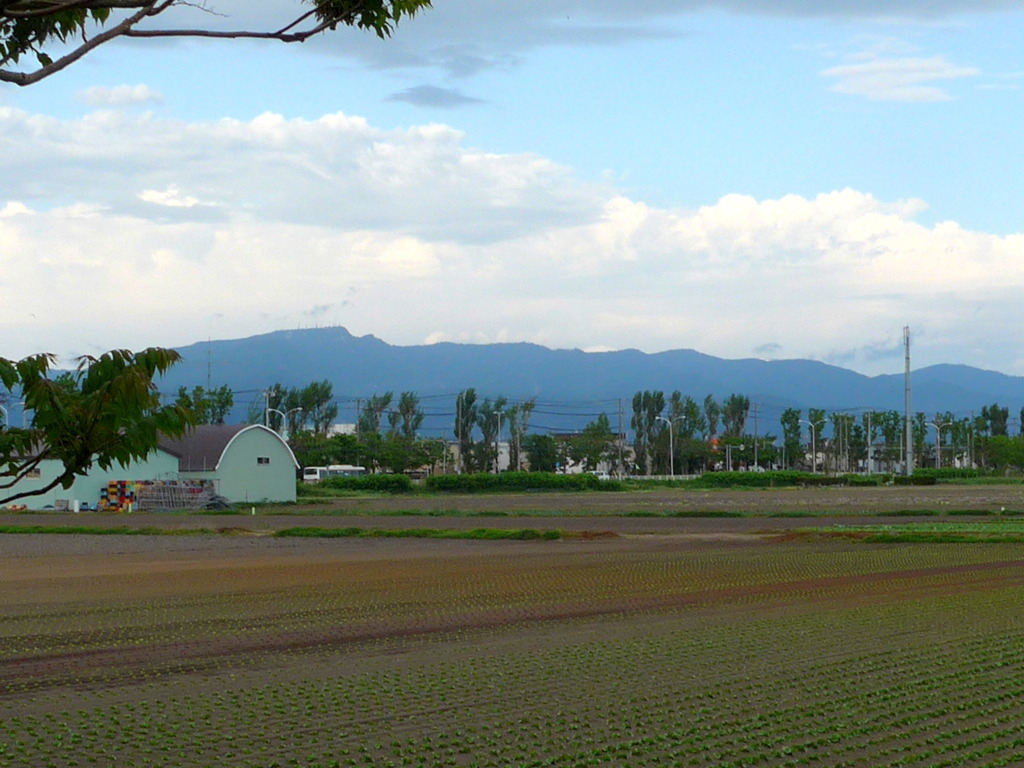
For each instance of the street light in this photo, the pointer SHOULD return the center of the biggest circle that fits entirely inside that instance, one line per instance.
(814, 447)
(284, 420)
(671, 442)
(938, 441)
(7, 414)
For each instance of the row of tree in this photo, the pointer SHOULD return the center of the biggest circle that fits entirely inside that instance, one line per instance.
(673, 433)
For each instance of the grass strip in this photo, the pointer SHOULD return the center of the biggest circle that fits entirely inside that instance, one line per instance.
(988, 531)
(490, 534)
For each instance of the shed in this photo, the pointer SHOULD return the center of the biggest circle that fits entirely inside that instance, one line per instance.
(245, 462)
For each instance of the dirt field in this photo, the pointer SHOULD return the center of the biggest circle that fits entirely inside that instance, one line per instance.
(677, 641)
(814, 500)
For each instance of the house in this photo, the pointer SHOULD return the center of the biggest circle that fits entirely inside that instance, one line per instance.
(245, 462)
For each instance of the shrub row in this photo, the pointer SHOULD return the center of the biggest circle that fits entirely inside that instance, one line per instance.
(519, 481)
(950, 473)
(783, 479)
(380, 483)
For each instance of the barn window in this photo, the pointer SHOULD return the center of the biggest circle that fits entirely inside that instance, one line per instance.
(262, 459)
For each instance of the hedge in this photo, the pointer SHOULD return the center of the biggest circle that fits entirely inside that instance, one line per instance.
(782, 479)
(519, 481)
(950, 473)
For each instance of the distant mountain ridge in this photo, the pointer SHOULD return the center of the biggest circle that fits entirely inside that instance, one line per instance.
(360, 366)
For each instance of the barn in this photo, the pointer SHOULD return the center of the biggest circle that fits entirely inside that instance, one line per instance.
(244, 462)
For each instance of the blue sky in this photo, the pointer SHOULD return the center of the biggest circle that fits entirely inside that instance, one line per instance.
(741, 177)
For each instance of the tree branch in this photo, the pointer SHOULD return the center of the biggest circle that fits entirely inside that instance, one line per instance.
(25, 494)
(152, 8)
(22, 471)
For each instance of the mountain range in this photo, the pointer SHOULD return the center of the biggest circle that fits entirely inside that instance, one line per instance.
(571, 386)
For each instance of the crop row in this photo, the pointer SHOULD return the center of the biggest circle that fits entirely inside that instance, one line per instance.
(926, 680)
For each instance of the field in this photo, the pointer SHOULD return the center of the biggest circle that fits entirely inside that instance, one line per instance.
(632, 640)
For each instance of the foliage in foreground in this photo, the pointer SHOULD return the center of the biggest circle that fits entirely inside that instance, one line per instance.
(73, 28)
(107, 411)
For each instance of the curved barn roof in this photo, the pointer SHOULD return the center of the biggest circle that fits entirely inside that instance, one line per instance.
(202, 447)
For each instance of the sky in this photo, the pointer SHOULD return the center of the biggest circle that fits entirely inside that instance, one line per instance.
(747, 178)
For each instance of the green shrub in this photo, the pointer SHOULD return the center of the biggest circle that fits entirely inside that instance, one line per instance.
(950, 473)
(519, 481)
(378, 483)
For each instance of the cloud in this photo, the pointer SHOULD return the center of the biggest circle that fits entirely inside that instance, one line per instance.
(336, 169)
(170, 197)
(119, 96)
(897, 79)
(432, 96)
(414, 235)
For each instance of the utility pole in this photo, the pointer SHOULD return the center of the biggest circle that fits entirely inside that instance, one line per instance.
(755, 436)
(909, 455)
(458, 430)
(867, 436)
(497, 444)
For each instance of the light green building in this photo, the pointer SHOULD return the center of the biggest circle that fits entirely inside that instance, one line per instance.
(88, 489)
(245, 462)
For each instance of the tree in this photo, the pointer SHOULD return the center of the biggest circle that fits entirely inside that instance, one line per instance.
(518, 418)
(541, 452)
(594, 445)
(406, 420)
(312, 449)
(1005, 452)
(734, 414)
(208, 407)
(318, 407)
(791, 432)
(996, 419)
(465, 421)
(488, 418)
(712, 410)
(28, 28)
(647, 407)
(107, 411)
(371, 414)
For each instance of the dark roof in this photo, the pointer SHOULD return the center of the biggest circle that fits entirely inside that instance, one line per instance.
(202, 447)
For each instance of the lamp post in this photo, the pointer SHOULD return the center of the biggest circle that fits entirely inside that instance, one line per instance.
(671, 442)
(6, 414)
(938, 441)
(814, 447)
(284, 420)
